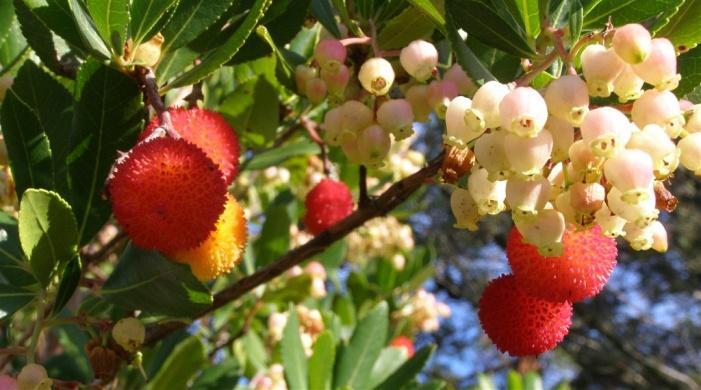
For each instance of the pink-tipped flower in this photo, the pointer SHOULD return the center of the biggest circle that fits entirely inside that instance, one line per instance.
(631, 171)
(491, 155)
(545, 231)
(466, 86)
(606, 131)
(563, 204)
(374, 143)
(600, 66)
(587, 198)
(527, 197)
(376, 76)
(690, 152)
(464, 209)
(659, 237)
(356, 116)
(660, 67)
(661, 108)
(523, 112)
(484, 113)
(632, 43)
(316, 90)
(439, 94)
(563, 137)
(488, 195)
(333, 126)
(628, 86)
(458, 133)
(568, 99)
(351, 150)
(641, 213)
(416, 96)
(336, 82)
(527, 156)
(330, 54)
(304, 73)
(654, 141)
(419, 59)
(397, 117)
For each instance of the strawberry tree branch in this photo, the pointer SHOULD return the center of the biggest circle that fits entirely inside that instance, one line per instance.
(383, 204)
(148, 84)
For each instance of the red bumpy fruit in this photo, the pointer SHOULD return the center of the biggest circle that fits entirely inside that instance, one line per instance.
(167, 194)
(327, 203)
(581, 272)
(405, 343)
(519, 323)
(209, 131)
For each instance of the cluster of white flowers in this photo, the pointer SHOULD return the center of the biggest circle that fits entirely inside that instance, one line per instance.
(311, 324)
(423, 311)
(381, 237)
(271, 379)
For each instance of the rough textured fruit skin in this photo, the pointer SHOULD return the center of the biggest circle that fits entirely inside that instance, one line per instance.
(520, 324)
(327, 203)
(223, 249)
(581, 272)
(167, 194)
(403, 342)
(209, 131)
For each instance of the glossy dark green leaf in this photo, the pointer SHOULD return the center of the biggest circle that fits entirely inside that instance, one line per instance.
(6, 15)
(504, 66)
(108, 114)
(279, 155)
(624, 11)
(530, 16)
(13, 267)
(359, 356)
(333, 256)
(321, 362)
(576, 20)
(221, 376)
(404, 28)
(190, 19)
(409, 370)
(488, 26)
(13, 298)
(295, 290)
(58, 17)
(690, 69)
(466, 58)
(514, 380)
(69, 283)
(86, 26)
(182, 364)
(532, 381)
(684, 27)
(388, 362)
(13, 50)
(48, 232)
(111, 20)
(38, 36)
(293, 358)
(147, 14)
(428, 8)
(145, 280)
(274, 239)
(324, 13)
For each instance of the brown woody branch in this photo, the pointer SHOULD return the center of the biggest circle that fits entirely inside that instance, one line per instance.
(383, 204)
(147, 81)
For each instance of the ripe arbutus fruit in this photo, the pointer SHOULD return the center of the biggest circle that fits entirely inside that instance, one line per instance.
(167, 194)
(581, 272)
(519, 323)
(404, 343)
(223, 249)
(209, 131)
(327, 203)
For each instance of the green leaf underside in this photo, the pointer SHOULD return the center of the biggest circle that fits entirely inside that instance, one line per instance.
(388, 362)
(91, 37)
(38, 36)
(13, 268)
(145, 15)
(404, 28)
(190, 19)
(292, 351)
(530, 16)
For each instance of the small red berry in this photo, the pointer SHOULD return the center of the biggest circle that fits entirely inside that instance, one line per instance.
(581, 272)
(327, 203)
(404, 343)
(521, 324)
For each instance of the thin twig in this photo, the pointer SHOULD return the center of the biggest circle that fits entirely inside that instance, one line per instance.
(364, 199)
(311, 128)
(13, 350)
(356, 41)
(106, 249)
(150, 87)
(536, 69)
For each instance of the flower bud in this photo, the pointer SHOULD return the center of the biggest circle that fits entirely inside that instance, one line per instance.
(356, 117)
(419, 58)
(330, 54)
(527, 156)
(336, 82)
(660, 108)
(563, 137)
(416, 95)
(491, 155)
(611, 224)
(33, 377)
(568, 99)
(303, 74)
(333, 126)
(484, 113)
(396, 117)
(488, 195)
(632, 43)
(350, 148)
(628, 86)
(563, 204)
(523, 112)
(316, 270)
(398, 261)
(587, 198)
(373, 145)
(149, 53)
(276, 325)
(458, 76)
(458, 133)
(464, 210)
(631, 172)
(659, 237)
(690, 152)
(693, 119)
(316, 90)
(586, 166)
(317, 290)
(527, 197)
(545, 231)
(606, 131)
(129, 333)
(654, 141)
(600, 66)
(641, 213)
(376, 76)
(640, 238)
(660, 67)
(439, 93)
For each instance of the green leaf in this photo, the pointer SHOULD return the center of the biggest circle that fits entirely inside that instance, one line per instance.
(223, 53)
(409, 370)
(14, 50)
(684, 27)
(404, 28)
(485, 382)
(624, 11)
(38, 36)
(13, 269)
(252, 107)
(108, 115)
(389, 361)
(505, 67)
(13, 298)
(467, 59)
(514, 381)
(255, 352)
(532, 381)
(274, 239)
(222, 376)
(576, 20)
(182, 364)
(293, 358)
(147, 14)
(145, 280)
(321, 362)
(428, 8)
(690, 69)
(86, 26)
(58, 17)
(295, 290)
(279, 155)
(488, 26)
(6, 15)
(69, 283)
(190, 19)
(530, 16)
(333, 256)
(324, 13)
(365, 345)
(111, 21)
(48, 232)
